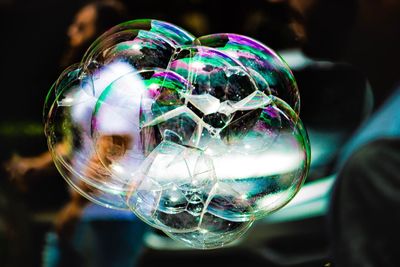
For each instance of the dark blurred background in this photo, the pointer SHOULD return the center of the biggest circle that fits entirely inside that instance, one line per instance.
(336, 99)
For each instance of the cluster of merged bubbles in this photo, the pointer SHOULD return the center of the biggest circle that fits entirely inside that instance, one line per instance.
(199, 137)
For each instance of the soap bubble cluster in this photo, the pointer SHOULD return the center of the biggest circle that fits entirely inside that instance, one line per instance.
(199, 137)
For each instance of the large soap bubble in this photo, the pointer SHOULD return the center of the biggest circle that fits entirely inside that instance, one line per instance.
(198, 137)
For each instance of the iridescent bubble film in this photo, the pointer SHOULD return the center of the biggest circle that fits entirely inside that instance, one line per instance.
(199, 137)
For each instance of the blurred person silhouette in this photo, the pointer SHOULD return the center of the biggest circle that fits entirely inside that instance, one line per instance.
(325, 83)
(364, 210)
(90, 235)
(93, 19)
(90, 21)
(109, 148)
(98, 248)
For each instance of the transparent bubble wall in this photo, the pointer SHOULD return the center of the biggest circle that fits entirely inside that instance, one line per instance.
(199, 137)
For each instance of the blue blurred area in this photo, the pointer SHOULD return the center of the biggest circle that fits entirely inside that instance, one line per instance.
(103, 237)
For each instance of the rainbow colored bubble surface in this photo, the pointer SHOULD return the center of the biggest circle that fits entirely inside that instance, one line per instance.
(199, 137)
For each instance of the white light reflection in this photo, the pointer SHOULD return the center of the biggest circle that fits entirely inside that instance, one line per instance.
(231, 166)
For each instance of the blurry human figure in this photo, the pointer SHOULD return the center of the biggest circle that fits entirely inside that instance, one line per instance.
(365, 206)
(90, 21)
(109, 149)
(325, 83)
(364, 211)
